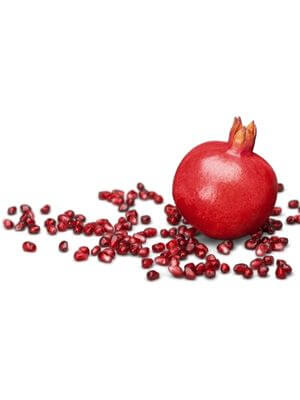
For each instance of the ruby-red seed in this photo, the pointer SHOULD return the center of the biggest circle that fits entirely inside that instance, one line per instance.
(224, 268)
(293, 204)
(280, 273)
(29, 247)
(34, 229)
(268, 260)
(80, 256)
(210, 273)
(280, 187)
(12, 210)
(63, 246)
(147, 263)
(145, 219)
(8, 224)
(45, 209)
(176, 271)
(152, 275)
(248, 273)
(240, 268)
(262, 271)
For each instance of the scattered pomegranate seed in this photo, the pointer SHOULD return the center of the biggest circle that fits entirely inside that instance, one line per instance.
(104, 257)
(210, 273)
(256, 263)
(147, 262)
(84, 249)
(29, 247)
(251, 244)
(280, 187)
(52, 230)
(223, 249)
(189, 273)
(152, 275)
(263, 271)
(45, 209)
(150, 232)
(12, 210)
(268, 260)
(24, 208)
(239, 269)
(63, 246)
(224, 268)
(293, 204)
(276, 211)
(248, 273)
(8, 224)
(280, 273)
(145, 219)
(176, 271)
(80, 256)
(261, 249)
(144, 252)
(34, 229)
(158, 247)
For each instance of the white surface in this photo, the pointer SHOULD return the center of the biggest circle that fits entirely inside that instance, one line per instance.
(98, 95)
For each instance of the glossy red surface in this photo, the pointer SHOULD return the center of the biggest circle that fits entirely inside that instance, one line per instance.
(223, 188)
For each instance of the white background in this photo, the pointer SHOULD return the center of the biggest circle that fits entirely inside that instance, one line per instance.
(102, 94)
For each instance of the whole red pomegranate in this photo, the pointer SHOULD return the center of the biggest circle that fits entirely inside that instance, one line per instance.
(223, 188)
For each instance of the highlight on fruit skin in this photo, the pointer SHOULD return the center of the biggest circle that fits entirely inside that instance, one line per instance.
(224, 189)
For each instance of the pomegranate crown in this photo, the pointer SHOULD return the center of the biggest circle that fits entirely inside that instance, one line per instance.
(242, 138)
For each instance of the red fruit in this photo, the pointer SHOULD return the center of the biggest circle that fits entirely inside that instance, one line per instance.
(12, 210)
(29, 247)
(189, 273)
(158, 247)
(291, 220)
(8, 224)
(152, 275)
(239, 269)
(63, 246)
(34, 229)
(176, 271)
(280, 273)
(223, 249)
(150, 232)
(280, 187)
(210, 273)
(145, 219)
(45, 209)
(80, 256)
(268, 260)
(147, 262)
(293, 204)
(223, 188)
(263, 271)
(256, 263)
(248, 273)
(224, 268)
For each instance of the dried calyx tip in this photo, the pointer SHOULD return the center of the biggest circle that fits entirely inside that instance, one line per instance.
(241, 137)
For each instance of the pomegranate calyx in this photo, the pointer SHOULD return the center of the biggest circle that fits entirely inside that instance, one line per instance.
(241, 138)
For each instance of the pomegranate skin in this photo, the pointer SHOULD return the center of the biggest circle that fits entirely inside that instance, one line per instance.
(224, 189)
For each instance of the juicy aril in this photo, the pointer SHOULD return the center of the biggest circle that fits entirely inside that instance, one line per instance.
(223, 188)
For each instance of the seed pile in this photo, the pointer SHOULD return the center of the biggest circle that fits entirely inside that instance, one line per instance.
(181, 240)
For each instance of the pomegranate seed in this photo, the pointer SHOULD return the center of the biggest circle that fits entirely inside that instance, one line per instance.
(200, 268)
(164, 233)
(45, 209)
(69, 213)
(297, 218)
(104, 195)
(150, 232)
(145, 219)
(140, 186)
(293, 204)
(84, 249)
(239, 269)
(210, 273)
(287, 269)
(248, 273)
(63, 246)
(52, 230)
(104, 257)
(261, 249)
(278, 246)
(132, 217)
(161, 260)
(223, 249)
(80, 217)
(158, 247)
(280, 273)
(158, 199)
(201, 250)
(80, 256)
(268, 260)
(152, 275)
(224, 268)
(20, 226)
(291, 220)
(147, 262)
(172, 232)
(34, 229)
(12, 210)
(24, 208)
(189, 273)
(251, 244)
(256, 263)
(61, 227)
(144, 252)
(280, 187)
(176, 271)
(88, 229)
(123, 249)
(29, 247)
(49, 221)
(284, 240)
(8, 224)
(276, 211)
(143, 195)
(263, 271)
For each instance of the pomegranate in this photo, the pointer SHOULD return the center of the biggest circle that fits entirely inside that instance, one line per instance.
(224, 189)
